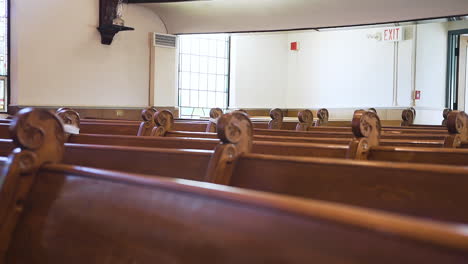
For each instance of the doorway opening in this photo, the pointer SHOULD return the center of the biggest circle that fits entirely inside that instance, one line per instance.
(457, 70)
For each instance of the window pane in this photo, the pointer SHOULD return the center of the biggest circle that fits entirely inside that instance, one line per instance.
(185, 45)
(220, 67)
(184, 81)
(195, 49)
(204, 47)
(212, 48)
(203, 75)
(221, 48)
(203, 99)
(203, 64)
(203, 82)
(2, 94)
(194, 98)
(212, 82)
(212, 65)
(221, 83)
(219, 99)
(185, 63)
(185, 95)
(195, 63)
(194, 81)
(211, 99)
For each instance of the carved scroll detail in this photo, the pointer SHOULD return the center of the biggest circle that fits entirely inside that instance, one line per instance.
(367, 129)
(445, 115)
(215, 114)
(276, 119)
(306, 120)
(235, 130)
(164, 121)
(372, 109)
(39, 131)
(39, 137)
(70, 119)
(322, 116)
(146, 127)
(457, 125)
(243, 111)
(408, 117)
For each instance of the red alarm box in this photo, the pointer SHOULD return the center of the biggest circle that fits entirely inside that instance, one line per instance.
(417, 95)
(295, 46)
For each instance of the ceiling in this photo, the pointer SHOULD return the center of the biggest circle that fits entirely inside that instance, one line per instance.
(265, 15)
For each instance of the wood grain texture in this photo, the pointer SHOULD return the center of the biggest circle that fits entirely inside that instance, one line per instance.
(120, 218)
(277, 116)
(306, 120)
(146, 127)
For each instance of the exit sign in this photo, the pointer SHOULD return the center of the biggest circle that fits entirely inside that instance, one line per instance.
(393, 34)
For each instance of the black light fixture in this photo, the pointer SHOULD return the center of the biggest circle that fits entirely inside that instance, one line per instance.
(110, 19)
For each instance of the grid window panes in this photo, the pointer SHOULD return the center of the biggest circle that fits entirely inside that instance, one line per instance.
(3, 53)
(203, 74)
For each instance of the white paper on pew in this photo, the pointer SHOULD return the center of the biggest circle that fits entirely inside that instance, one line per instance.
(212, 120)
(73, 130)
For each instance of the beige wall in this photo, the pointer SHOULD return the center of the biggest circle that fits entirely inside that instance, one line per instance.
(57, 58)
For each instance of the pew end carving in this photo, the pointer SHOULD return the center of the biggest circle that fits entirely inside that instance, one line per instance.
(235, 130)
(277, 117)
(457, 125)
(164, 121)
(445, 115)
(146, 127)
(243, 111)
(39, 138)
(408, 116)
(215, 114)
(367, 129)
(306, 120)
(71, 121)
(322, 116)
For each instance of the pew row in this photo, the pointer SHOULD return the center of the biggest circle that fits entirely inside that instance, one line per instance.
(56, 213)
(398, 187)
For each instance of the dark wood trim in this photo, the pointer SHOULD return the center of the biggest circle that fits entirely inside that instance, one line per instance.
(107, 13)
(100, 113)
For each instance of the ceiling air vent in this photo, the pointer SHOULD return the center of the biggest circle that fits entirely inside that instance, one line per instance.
(164, 40)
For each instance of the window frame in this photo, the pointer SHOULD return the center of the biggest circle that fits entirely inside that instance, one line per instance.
(6, 77)
(179, 71)
(452, 89)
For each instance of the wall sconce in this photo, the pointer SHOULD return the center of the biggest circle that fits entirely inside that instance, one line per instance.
(110, 19)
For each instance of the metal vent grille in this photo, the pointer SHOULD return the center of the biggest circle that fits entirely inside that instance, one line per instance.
(163, 40)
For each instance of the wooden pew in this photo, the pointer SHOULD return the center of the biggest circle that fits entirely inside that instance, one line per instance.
(412, 188)
(164, 127)
(56, 213)
(261, 147)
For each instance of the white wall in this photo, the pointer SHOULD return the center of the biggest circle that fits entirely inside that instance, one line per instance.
(258, 70)
(341, 69)
(431, 71)
(57, 58)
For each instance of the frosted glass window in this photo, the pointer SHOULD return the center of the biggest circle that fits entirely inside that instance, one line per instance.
(203, 73)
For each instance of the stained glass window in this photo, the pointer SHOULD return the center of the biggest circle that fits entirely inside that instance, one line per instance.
(3, 53)
(203, 74)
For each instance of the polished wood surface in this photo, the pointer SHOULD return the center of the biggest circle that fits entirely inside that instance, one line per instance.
(413, 210)
(121, 218)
